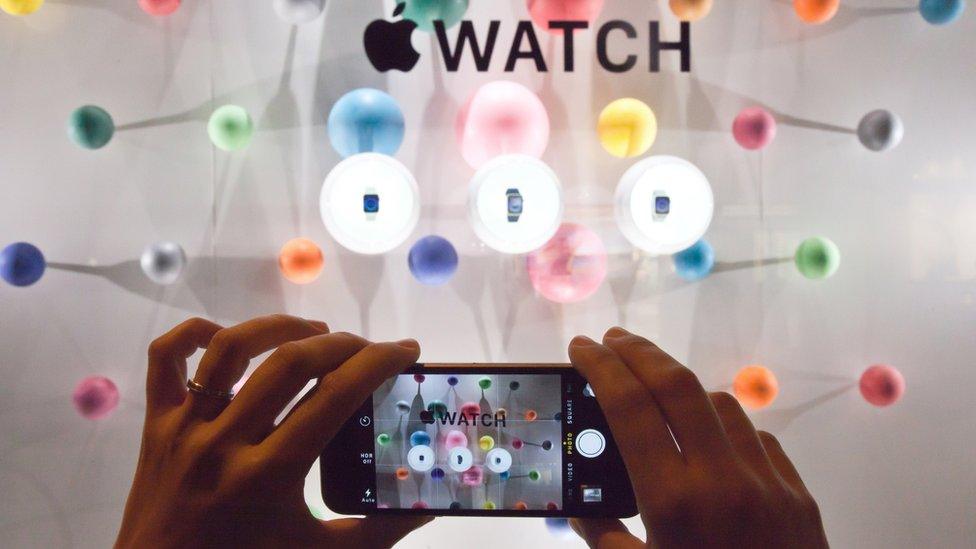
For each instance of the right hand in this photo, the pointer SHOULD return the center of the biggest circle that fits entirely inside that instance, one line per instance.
(716, 482)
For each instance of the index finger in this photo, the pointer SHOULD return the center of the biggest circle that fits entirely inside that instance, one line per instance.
(638, 427)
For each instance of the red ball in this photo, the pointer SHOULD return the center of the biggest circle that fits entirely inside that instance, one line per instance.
(159, 7)
(419, 378)
(517, 443)
(882, 385)
(754, 128)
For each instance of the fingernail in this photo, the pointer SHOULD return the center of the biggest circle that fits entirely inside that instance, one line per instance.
(410, 344)
(617, 331)
(581, 341)
(319, 324)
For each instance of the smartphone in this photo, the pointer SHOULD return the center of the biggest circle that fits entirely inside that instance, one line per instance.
(507, 440)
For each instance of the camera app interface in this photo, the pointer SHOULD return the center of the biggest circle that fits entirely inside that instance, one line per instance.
(485, 442)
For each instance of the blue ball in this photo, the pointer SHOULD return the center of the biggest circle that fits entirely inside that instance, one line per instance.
(559, 527)
(420, 438)
(504, 475)
(941, 12)
(366, 120)
(433, 260)
(452, 381)
(437, 473)
(22, 264)
(696, 262)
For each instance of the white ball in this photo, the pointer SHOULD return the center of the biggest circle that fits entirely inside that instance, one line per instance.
(880, 130)
(163, 262)
(296, 12)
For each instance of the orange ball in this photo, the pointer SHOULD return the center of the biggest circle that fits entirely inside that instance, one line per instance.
(402, 473)
(300, 261)
(755, 387)
(691, 10)
(816, 11)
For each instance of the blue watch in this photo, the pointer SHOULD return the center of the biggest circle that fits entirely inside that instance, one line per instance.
(662, 205)
(371, 204)
(515, 205)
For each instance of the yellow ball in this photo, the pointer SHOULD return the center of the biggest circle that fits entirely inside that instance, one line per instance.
(627, 128)
(20, 7)
(691, 10)
(486, 443)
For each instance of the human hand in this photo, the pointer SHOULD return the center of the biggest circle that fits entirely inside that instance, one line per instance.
(716, 482)
(215, 472)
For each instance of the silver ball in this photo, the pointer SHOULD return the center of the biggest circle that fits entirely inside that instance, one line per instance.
(163, 262)
(296, 12)
(880, 130)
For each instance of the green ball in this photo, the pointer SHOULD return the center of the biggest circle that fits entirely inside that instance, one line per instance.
(383, 439)
(817, 258)
(437, 408)
(90, 127)
(534, 475)
(425, 12)
(484, 383)
(230, 128)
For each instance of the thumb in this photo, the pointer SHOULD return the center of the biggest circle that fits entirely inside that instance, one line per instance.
(605, 534)
(373, 532)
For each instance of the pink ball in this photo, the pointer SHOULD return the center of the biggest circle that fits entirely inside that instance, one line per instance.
(882, 385)
(159, 7)
(754, 128)
(473, 476)
(470, 410)
(502, 118)
(419, 505)
(95, 397)
(455, 439)
(570, 267)
(544, 11)
(517, 443)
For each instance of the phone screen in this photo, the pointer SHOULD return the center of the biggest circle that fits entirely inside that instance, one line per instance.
(479, 441)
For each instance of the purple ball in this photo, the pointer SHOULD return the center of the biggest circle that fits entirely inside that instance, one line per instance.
(95, 397)
(433, 260)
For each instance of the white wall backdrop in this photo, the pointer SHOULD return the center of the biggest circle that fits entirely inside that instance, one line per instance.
(905, 293)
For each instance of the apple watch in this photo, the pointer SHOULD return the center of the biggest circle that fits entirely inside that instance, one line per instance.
(662, 205)
(515, 204)
(371, 204)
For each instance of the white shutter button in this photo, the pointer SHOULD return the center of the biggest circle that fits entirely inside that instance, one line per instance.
(590, 443)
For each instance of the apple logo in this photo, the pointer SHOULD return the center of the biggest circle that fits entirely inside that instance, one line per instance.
(427, 417)
(388, 43)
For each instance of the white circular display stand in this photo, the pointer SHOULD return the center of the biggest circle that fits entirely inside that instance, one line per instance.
(504, 186)
(664, 204)
(349, 197)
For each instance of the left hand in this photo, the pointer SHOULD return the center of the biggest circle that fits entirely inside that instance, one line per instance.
(214, 472)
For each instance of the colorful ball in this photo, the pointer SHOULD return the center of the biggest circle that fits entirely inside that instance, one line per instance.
(514, 386)
(296, 12)
(817, 258)
(627, 128)
(366, 120)
(534, 475)
(486, 443)
(163, 262)
(552, 506)
(433, 260)
(485, 383)
(517, 443)
(521, 506)
(502, 118)
(547, 445)
(691, 10)
(545, 11)
(470, 410)
(425, 12)
(20, 7)
(489, 505)
(230, 128)
(300, 261)
(95, 397)
(383, 439)
(880, 130)
(504, 475)
(22, 264)
(90, 127)
(882, 385)
(754, 128)
(570, 267)
(696, 262)
(455, 505)
(474, 476)
(403, 406)
(558, 527)
(452, 381)
(437, 409)
(816, 11)
(941, 12)
(418, 505)
(437, 473)
(402, 473)
(419, 438)
(455, 439)
(159, 7)
(531, 415)
(558, 416)
(501, 412)
(419, 378)
(755, 387)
